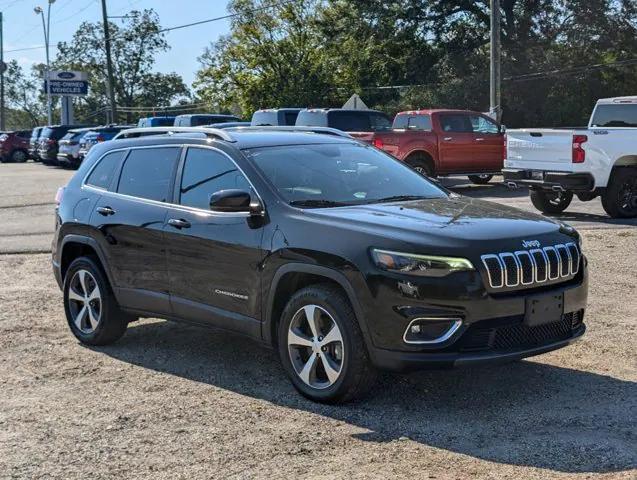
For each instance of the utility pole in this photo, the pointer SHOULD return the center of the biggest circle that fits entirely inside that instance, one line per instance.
(2, 70)
(109, 64)
(494, 92)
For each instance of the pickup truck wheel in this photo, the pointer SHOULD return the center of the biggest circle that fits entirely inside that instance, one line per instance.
(19, 156)
(421, 164)
(620, 198)
(548, 201)
(321, 346)
(480, 179)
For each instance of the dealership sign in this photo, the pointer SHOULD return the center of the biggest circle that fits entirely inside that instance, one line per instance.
(67, 83)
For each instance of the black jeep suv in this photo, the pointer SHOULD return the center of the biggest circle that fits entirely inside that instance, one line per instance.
(339, 256)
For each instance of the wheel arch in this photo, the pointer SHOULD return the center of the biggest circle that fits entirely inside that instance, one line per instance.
(626, 161)
(292, 277)
(74, 246)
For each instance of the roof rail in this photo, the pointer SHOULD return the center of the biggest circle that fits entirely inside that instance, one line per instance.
(296, 128)
(145, 131)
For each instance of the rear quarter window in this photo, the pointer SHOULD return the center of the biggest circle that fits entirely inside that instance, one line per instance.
(102, 175)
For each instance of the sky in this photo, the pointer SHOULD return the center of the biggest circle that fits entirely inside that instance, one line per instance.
(23, 28)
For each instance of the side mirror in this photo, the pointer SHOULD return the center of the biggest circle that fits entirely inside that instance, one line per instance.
(503, 128)
(234, 201)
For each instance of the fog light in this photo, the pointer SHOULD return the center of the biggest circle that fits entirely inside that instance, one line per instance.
(431, 330)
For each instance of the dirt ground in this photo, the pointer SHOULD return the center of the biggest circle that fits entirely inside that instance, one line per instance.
(169, 401)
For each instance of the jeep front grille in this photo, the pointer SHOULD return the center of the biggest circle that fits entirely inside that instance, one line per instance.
(530, 267)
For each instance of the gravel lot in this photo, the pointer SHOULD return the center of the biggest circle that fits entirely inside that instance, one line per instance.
(170, 401)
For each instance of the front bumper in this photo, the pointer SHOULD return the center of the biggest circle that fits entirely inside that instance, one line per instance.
(411, 361)
(576, 182)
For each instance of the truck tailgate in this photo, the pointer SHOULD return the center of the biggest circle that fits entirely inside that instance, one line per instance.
(542, 149)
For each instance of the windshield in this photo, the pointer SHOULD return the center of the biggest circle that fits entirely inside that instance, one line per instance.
(337, 174)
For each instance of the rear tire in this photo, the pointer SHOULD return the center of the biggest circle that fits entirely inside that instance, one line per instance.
(480, 179)
(620, 197)
(422, 164)
(92, 312)
(548, 201)
(19, 156)
(336, 371)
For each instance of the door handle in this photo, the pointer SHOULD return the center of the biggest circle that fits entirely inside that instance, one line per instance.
(106, 211)
(178, 223)
(448, 139)
(479, 139)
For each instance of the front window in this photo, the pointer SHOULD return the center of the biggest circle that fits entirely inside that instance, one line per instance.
(481, 125)
(338, 174)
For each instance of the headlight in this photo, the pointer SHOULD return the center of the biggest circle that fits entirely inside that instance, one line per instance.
(421, 265)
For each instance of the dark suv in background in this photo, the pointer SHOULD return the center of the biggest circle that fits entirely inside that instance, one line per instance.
(34, 143)
(48, 143)
(98, 135)
(336, 254)
(360, 124)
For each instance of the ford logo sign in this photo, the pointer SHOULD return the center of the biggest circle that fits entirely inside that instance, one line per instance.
(531, 243)
(66, 75)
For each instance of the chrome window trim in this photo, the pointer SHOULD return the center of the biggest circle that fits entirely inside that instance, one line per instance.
(443, 338)
(533, 268)
(546, 265)
(492, 255)
(517, 269)
(176, 206)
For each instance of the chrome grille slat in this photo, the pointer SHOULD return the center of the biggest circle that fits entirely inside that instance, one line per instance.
(536, 266)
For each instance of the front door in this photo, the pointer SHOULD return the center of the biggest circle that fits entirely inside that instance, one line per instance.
(455, 144)
(488, 152)
(213, 257)
(129, 221)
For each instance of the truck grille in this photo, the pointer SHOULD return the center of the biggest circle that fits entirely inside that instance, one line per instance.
(532, 267)
(516, 335)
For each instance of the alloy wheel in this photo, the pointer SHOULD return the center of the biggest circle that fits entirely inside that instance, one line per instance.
(85, 301)
(315, 346)
(628, 196)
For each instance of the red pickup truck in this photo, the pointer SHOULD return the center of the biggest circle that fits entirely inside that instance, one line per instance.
(446, 142)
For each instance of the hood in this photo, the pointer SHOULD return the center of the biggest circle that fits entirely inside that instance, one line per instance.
(455, 221)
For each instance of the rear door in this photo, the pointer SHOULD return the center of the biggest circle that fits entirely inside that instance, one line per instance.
(488, 152)
(455, 143)
(213, 257)
(129, 220)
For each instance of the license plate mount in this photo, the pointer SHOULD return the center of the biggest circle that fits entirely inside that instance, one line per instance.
(537, 175)
(542, 309)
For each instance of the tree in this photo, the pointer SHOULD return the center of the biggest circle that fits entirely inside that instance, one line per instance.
(23, 96)
(134, 47)
(273, 57)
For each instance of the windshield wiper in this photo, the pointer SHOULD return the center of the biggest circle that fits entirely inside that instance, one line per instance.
(398, 198)
(317, 203)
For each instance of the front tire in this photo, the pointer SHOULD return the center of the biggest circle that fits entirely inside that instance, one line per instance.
(421, 164)
(548, 201)
(92, 312)
(19, 156)
(620, 197)
(322, 348)
(480, 179)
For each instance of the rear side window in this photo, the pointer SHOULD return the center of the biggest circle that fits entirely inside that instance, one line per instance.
(615, 116)
(148, 172)
(102, 174)
(456, 123)
(206, 172)
(413, 122)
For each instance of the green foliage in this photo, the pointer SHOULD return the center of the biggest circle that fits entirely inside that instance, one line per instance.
(317, 53)
(134, 47)
(25, 107)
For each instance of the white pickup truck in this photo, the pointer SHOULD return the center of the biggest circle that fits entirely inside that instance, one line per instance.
(600, 160)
